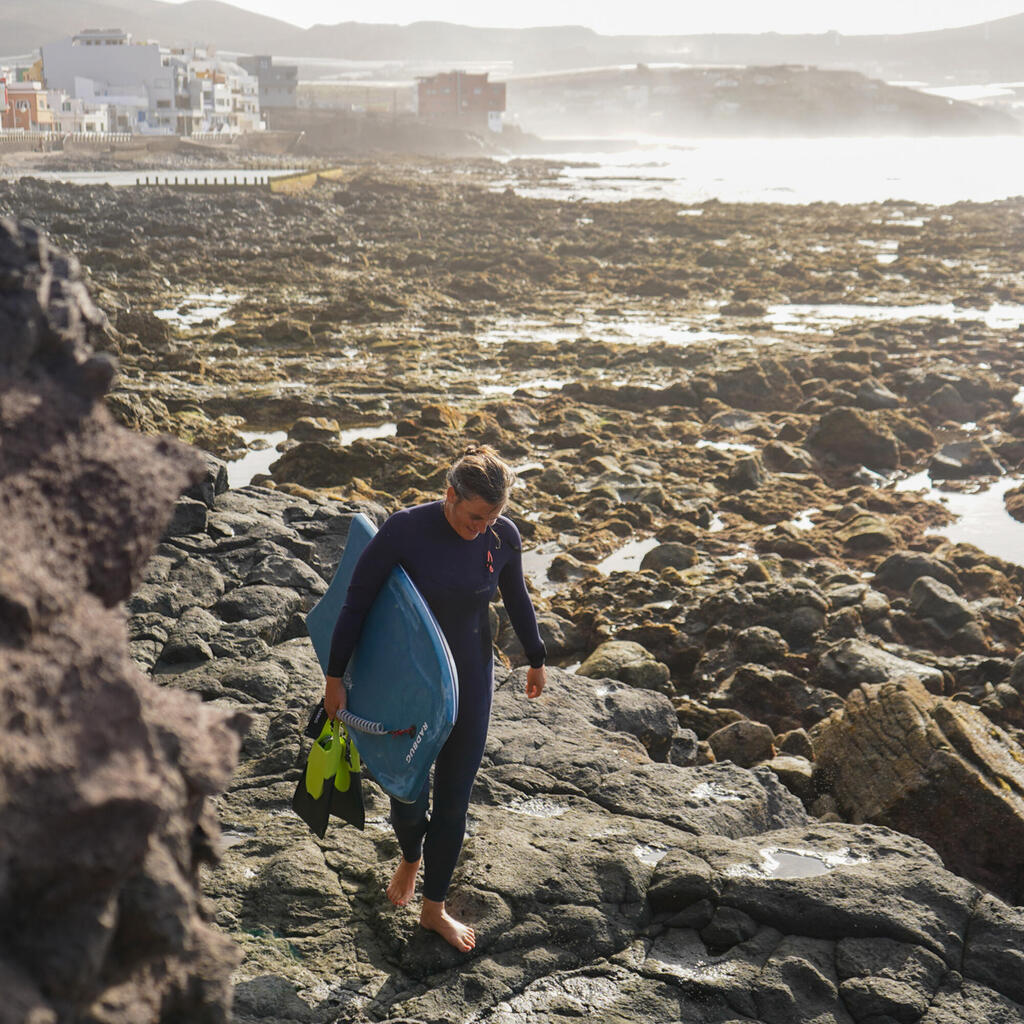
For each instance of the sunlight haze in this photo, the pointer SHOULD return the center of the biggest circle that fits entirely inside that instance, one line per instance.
(654, 16)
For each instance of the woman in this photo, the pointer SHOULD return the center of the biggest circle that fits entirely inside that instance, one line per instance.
(457, 551)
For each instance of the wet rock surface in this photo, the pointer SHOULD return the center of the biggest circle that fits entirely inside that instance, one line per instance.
(700, 486)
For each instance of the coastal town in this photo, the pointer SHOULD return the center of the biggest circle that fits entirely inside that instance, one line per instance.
(102, 84)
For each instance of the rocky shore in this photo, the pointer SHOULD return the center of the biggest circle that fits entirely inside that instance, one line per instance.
(778, 774)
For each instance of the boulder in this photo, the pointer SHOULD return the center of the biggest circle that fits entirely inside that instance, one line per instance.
(962, 460)
(866, 534)
(899, 570)
(796, 774)
(778, 698)
(759, 386)
(872, 395)
(106, 780)
(939, 604)
(934, 768)
(849, 663)
(189, 516)
(854, 437)
(780, 457)
(946, 403)
(743, 742)
(747, 474)
(626, 662)
(670, 554)
(561, 637)
(827, 923)
(212, 481)
(314, 428)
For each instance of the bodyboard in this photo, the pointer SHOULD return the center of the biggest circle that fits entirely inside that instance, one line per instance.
(401, 673)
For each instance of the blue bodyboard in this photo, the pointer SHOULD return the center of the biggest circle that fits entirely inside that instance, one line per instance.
(400, 675)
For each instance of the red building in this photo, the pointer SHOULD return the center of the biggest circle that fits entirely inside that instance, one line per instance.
(27, 107)
(457, 97)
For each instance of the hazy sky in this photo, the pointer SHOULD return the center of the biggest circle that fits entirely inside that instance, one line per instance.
(654, 16)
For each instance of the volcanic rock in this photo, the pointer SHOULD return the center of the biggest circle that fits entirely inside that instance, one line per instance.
(106, 779)
(743, 742)
(962, 460)
(939, 604)
(850, 663)
(671, 553)
(854, 437)
(934, 768)
(626, 661)
(901, 568)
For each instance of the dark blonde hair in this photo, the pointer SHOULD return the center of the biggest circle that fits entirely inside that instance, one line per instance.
(479, 472)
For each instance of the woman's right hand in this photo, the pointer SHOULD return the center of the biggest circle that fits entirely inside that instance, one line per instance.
(335, 696)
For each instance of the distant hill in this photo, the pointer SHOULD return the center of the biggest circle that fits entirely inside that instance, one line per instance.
(25, 25)
(991, 51)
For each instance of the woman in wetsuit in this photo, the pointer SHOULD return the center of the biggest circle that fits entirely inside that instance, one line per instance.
(457, 551)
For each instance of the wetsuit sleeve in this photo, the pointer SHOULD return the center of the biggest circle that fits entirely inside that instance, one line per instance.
(380, 556)
(519, 606)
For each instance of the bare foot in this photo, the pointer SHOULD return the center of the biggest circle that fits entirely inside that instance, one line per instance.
(435, 918)
(403, 882)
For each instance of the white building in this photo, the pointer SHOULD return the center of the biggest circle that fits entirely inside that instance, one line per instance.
(75, 115)
(228, 95)
(104, 66)
(149, 89)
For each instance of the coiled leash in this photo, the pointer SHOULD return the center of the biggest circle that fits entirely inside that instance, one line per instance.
(372, 728)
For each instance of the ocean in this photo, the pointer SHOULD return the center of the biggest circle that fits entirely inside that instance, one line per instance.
(788, 170)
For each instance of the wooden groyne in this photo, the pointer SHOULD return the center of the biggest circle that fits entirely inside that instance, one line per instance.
(204, 181)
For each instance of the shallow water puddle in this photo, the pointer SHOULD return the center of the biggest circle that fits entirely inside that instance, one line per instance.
(547, 384)
(537, 561)
(796, 318)
(648, 854)
(536, 807)
(726, 446)
(198, 307)
(794, 863)
(256, 460)
(629, 329)
(369, 433)
(804, 520)
(628, 557)
(982, 517)
(712, 793)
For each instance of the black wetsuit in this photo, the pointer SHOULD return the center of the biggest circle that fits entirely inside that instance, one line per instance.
(458, 579)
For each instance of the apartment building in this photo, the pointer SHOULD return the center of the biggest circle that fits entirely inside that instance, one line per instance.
(149, 89)
(462, 99)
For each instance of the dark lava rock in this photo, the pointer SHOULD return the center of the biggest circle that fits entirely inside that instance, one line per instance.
(105, 779)
(902, 568)
(743, 742)
(940, 604)
(854, 437)
(851, 663)
(956, 782)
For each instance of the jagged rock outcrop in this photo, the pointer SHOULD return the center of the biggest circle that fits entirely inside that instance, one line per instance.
(105, 779)
(934, 768)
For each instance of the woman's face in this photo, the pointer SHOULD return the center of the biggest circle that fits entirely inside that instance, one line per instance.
(469, 517)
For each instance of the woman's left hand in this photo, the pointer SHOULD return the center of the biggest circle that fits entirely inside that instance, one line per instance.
(535, 680)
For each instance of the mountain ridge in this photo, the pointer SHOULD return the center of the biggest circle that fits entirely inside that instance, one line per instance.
(990, 50)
